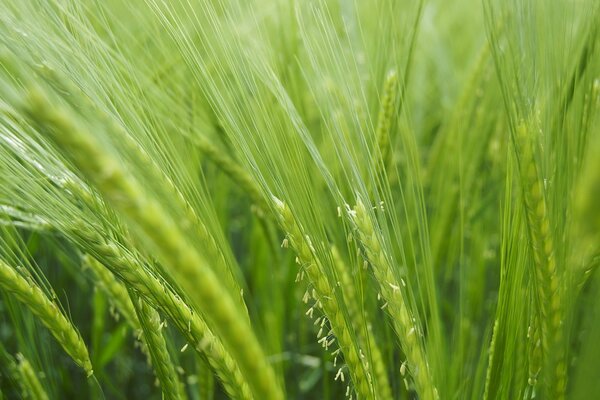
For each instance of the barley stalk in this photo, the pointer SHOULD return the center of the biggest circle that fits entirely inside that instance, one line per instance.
(28, 293)
(392, 291)
(491, 359)
(586, 210)
(327, 299)
(233, 170)
(189, 268)
(157, 347)
(205, 381)
(29, 380)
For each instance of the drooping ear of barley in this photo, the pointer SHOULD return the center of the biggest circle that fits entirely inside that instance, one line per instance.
(154, 224)
(118, 256)
(30, 382)
(28, 293)
(212, 251)
(142, 317)
(359, 370)
(162, 363)
(190, 324)
(405, 324)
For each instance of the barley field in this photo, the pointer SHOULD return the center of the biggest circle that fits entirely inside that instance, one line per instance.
(299, 199)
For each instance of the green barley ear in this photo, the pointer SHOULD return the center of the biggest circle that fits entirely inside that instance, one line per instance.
(141, 317)
(189, 323)
(362, 324)
(154, 224)
(28, 293)
(326, 299)
(164, 368)
(77, 99)
(393, 292)
(547, 281)
(385, 121)
(30, 382)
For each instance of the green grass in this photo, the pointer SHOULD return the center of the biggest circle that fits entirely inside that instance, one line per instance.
(299, 199)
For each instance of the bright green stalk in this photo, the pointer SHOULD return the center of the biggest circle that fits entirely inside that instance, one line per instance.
(29, 380)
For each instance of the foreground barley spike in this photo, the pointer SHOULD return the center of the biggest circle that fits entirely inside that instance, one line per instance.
(212, 250)
(28, 293)
(189, 268)
(406, 326)
(359, 370)
(157, 347)
(547, 280)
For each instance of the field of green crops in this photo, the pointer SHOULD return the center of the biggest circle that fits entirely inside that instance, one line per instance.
(299, 199)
